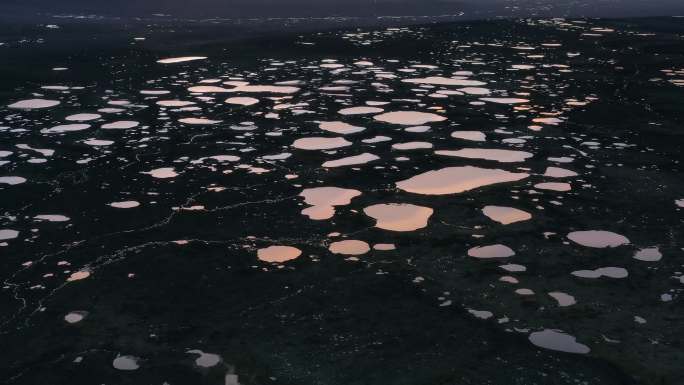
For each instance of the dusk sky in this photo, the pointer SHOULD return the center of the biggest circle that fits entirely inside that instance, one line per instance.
(240, 8)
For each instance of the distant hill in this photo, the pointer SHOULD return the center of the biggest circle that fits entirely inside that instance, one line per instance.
(241, 8)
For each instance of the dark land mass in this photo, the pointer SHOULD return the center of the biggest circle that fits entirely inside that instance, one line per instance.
(322, 318)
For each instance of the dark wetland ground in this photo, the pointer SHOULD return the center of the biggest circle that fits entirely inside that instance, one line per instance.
(526, 179)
